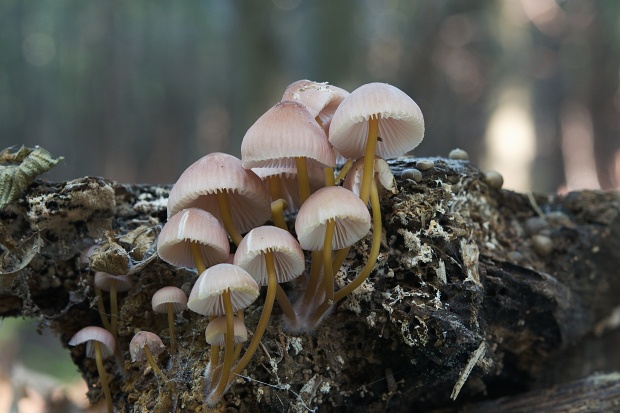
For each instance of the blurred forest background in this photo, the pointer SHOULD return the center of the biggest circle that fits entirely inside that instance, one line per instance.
(137, 90)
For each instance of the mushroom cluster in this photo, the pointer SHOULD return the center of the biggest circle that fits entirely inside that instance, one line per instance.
(287, 166)
(221, 204)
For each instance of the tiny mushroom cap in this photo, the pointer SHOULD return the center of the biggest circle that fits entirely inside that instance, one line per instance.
(169, 295)
(283, 133)
(287, 254)
(145, 339)
(353, 181)
(349, 212)
(206, 296)
(90, 334)
(104, 281)
(401, 123)
(216, 329)
(321, 99)
(219, 172)
(193, 225)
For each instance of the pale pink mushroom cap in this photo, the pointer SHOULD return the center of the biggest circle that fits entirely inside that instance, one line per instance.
(401, 123)
(169, 295)
(91, 334)
(219, 172)
(145, 339)
(334, 202)
(216, 329)
(353, 181)
(289, 183)
(206, 296)
(103, 280)
(284, 132)
(321, 99)
(288, 256)
(193, 225)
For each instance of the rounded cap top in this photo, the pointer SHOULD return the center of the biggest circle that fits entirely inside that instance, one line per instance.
(219, 172)
(321, 99)
(401, 124)
(206, 296)
(216, 329)
(91, 334)
(145, 339)
(288, 256)
(333, 202)
(169, 295)
(284, 132)
(104, 281)
(193, 225)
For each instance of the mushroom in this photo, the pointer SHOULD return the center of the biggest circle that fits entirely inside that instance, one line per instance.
(271, 256)
(219, 184)
(321, 100)
(113, 284)
(287, 136)
(193, 238)
(100, 344)
(216, 331)
(376, 118)
(222, 290)
(146, 346)
(333, 217)
(169, 300)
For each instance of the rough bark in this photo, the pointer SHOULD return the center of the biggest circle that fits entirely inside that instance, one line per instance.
(465, 302)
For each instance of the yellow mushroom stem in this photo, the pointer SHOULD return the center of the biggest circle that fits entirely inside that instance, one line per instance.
(372, 257)
(377, 229)
(229, 349)
(369, 158)
(103, 378)
(344, 171)
(277, 213)
(240, 316)
(101, 308)
(274, 184)
(214, 359)
(173, 342)
(330, 180)
(226, 215)
(286, 306)
(313, 280)
(272, 284)
(328, 275)
(114, 309)
(302, 178)
(198, 261)
(151, 360)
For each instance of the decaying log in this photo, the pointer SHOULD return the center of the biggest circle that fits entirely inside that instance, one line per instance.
(474, 291)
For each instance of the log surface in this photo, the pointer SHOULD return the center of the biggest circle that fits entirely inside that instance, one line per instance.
(476, 295)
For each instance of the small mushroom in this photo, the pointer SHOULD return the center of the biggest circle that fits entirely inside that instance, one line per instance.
(113, 284)
(458, 154)
(146, 346)
(100, 344)
(216, 331)
(169, 300)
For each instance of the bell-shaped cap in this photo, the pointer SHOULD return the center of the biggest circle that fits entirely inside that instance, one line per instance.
(283, 133)
(219, 172)
(91, 334)
(169, 295)
(288, 256)
(104, 281)
(145, 339)
(321, 99)
(353, 181)
(207, 294)
(193, 225)
(216, 330)
(332, 203)
(401, 124)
